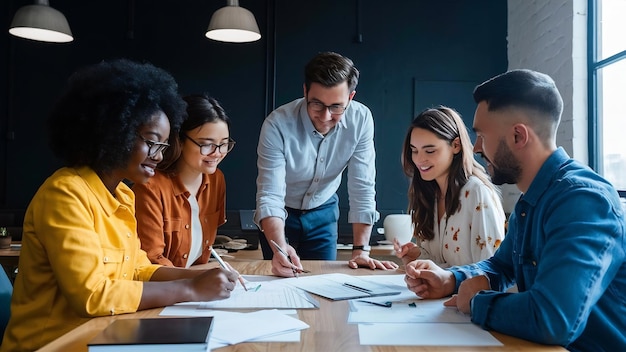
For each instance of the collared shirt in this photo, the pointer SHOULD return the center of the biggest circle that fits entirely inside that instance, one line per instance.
(80, 258)
(300, 168)
(164, 216)
(471, 234)
(565, 249)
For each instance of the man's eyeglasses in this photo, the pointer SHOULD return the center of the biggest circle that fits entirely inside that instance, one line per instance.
(208, 149)
(154, 147)
(333, 109)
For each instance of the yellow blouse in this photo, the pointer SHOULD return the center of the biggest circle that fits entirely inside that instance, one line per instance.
(80, 258)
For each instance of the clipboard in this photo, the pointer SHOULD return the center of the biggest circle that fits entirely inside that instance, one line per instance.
(339, 287)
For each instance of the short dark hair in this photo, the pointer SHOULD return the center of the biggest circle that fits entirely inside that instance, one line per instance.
(526, 89)
(96, 120)
(330, 69)
(201, 109)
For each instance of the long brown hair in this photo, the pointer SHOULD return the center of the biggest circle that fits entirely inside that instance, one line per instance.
(446, 124)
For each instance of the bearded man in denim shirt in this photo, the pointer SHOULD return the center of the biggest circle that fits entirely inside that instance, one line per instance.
(565, 245)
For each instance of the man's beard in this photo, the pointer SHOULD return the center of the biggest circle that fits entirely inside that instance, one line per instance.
(508, 169)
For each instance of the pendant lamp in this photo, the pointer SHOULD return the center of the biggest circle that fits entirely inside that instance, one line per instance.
(233, 24)
(41, 22)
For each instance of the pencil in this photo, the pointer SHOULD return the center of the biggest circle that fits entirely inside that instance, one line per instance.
(282, 251)
(223, 265)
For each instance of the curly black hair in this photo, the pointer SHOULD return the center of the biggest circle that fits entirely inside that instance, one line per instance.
(95, 122)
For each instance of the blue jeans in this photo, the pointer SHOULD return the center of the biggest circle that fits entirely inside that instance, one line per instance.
(312, 233)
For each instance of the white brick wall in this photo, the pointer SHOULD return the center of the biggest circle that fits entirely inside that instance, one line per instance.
(550, 36)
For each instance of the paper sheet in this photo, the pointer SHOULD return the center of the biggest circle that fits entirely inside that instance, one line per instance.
(241, 327)
(235, 327)
(419, 334)
(268, 294)
(341, 286)
(405, 311)
(264, 292)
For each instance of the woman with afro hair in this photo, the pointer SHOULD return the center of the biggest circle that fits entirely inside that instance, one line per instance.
(81, 255)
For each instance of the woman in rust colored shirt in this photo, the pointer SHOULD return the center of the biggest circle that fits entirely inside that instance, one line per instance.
(179, 210)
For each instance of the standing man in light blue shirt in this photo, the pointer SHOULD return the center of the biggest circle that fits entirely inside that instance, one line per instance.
(304, 147)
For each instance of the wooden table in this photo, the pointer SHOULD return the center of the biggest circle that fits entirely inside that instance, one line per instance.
(9, 257)
(329, 330)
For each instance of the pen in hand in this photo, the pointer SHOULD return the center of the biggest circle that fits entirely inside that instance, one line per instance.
(282, 251)
(223, 265)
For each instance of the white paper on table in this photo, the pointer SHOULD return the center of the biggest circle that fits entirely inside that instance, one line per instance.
(191, 309)
(333, 286)
(232, 329)
(425, 334)
(272, 294)
(405, 311)
(238, 319)
(394, 280)
(282, 337)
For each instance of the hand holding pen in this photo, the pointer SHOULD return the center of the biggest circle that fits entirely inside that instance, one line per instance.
(295, 269)
(408, 252)
(224, 266)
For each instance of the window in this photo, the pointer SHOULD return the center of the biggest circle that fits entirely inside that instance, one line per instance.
(607, 97)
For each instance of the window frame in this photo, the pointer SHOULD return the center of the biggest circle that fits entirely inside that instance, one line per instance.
(594, 65)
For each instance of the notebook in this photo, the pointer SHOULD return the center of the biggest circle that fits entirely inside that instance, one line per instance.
(154, 334)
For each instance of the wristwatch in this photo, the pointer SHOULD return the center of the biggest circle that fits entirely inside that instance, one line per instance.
(363, 248)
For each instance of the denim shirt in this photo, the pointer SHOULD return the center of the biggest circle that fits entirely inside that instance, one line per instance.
(300, 168)
(565, 249)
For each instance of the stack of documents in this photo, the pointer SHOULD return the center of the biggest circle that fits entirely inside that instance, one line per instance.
(232, 328)
(342, 286)
(235, 327)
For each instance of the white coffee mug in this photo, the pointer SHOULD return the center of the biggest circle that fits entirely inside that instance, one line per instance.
(398, 226)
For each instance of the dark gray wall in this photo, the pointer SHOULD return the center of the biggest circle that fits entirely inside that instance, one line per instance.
(412, 54)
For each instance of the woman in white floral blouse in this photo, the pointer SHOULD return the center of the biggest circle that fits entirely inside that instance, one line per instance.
(456, 211)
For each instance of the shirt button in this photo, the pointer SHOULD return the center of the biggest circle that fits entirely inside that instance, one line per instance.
(187, 226)
(321, 160)
(124, 275)
(523, 214)
(316, 180)
(206, 241)
(127, 258)
(185, 256)
(128, 235)
(106, 259)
